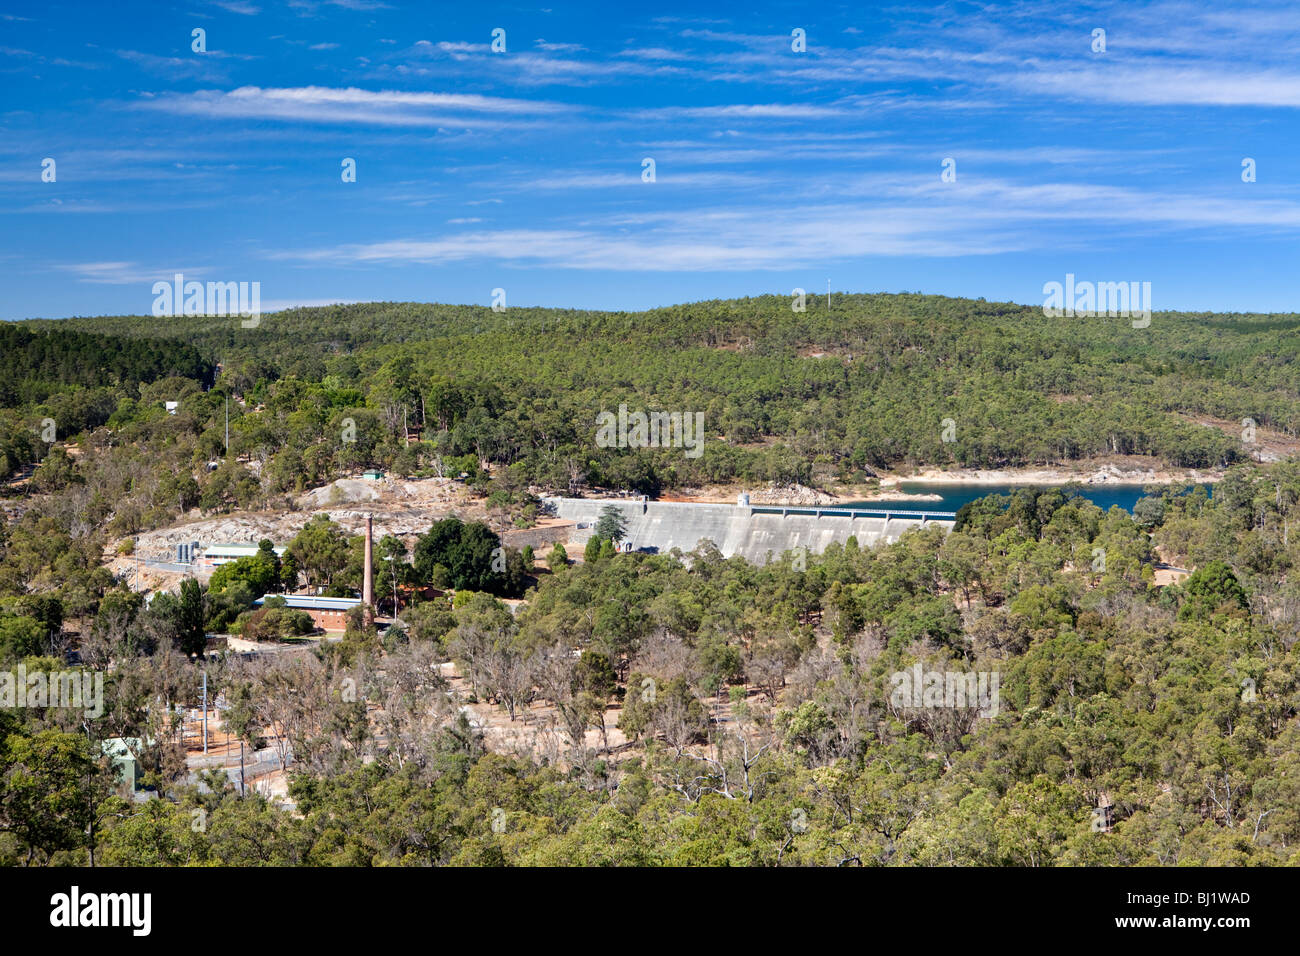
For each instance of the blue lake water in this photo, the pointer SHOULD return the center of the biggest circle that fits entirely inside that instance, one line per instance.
(954, 496)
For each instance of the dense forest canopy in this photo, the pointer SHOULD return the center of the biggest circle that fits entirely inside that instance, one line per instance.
(823, 394)
(34, 360)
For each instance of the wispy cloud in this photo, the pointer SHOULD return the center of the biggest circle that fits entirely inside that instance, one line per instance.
(909, 220)
(764, 111)
(550, 47)
(1165, 85)
(124, 273)
(198, 67)
(241, 7)
(313, 7)
(318, 104)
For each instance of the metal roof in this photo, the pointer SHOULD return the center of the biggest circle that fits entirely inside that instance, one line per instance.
(308, 602)
(239, 549)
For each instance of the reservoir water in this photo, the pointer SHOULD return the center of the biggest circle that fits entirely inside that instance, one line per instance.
(1103, 495)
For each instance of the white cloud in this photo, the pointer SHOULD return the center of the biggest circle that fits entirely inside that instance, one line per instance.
(238, 6)
(550, 47)
(351, 105)
(906, 219)
(1166, 84)
(780, 111)
(124, 273)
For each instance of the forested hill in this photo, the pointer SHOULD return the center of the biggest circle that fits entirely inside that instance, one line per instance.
(34, 362)
(57, 382)
(822, 394)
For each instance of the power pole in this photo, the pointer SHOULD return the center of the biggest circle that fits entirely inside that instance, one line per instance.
(90, 825)
(205, 704)
(227, 425)
(392, 573)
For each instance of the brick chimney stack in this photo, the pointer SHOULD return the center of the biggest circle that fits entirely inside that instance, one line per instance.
(367, 587)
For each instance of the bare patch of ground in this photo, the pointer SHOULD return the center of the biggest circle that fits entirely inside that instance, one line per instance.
(1269, 444)
(536, 730)
(1166, 574)
(822, 351)
(401, 508)
(141, 577)
(538, 733)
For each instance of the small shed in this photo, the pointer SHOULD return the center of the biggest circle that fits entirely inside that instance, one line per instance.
(123, 752)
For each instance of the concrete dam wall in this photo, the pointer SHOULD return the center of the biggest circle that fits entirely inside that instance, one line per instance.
(752, 532)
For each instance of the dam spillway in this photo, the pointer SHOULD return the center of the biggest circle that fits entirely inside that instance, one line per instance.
(754, 532)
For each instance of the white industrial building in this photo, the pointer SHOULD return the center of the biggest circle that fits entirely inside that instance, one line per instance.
(215, 555)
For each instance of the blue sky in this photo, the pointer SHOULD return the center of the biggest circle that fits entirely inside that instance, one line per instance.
(522, 170)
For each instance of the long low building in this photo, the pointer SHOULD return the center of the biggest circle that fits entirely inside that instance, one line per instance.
(754, 532)
(329, 613)
(214, 555)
